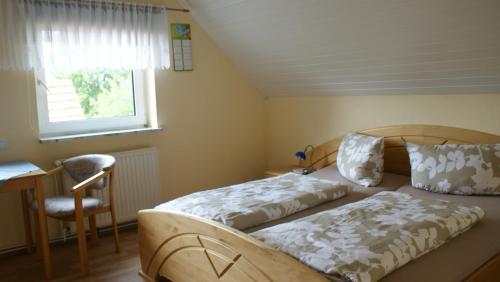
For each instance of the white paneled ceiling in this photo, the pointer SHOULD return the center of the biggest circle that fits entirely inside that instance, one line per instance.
(359, 47)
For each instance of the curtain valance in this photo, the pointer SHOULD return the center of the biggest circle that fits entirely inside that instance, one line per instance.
(76, 34)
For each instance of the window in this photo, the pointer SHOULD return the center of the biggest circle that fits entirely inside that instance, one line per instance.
(94, 64)
(89, 101)
(74, 102)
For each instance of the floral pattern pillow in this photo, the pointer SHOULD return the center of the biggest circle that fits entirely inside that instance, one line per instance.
(360, 159)
(456, 169)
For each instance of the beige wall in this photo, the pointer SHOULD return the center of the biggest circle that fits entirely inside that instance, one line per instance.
(293, 122)
(213, 135)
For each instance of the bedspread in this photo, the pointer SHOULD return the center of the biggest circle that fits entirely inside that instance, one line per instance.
(366, 240)
(256, 202)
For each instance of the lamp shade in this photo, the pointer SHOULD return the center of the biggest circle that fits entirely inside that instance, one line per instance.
(301, 155)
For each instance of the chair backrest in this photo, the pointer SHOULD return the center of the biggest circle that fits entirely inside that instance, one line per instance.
(83, 167)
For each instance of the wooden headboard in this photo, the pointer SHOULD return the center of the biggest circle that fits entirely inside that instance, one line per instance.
(395, 155)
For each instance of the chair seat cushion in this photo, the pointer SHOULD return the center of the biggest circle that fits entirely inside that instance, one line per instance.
(65, 205)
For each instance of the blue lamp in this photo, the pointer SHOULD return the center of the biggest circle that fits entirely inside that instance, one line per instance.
(302, 155)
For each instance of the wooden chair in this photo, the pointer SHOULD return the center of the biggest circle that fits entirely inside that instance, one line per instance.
(92, 172)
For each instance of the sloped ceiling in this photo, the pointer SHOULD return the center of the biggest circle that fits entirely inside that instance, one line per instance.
(356, 47)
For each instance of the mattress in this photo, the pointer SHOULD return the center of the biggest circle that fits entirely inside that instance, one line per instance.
(390, 182)
(458, 258)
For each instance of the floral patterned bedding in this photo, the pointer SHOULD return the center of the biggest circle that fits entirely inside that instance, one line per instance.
(361, 159)
(252, 203)
(456, 169)
(366, 240)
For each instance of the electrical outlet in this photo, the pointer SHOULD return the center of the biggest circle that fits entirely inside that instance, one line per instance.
(3, 145)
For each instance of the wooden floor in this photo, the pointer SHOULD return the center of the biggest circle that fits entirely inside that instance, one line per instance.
(105, 264)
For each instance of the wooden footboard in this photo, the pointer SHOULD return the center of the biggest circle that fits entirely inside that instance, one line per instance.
(180, 247)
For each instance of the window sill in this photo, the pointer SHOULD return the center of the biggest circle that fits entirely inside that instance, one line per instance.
(97, 134)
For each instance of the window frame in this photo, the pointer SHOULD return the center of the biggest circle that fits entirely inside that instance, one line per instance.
(94, 125)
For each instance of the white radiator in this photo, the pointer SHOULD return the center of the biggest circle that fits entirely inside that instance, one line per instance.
(137, 186)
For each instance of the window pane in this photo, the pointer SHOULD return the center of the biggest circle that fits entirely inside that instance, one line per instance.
(89, 94)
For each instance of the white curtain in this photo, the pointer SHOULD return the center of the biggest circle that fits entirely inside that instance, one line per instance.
(14, 51)
(77, 35)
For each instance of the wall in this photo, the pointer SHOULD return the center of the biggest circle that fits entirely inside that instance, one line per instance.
(213, 135)
(293, 122)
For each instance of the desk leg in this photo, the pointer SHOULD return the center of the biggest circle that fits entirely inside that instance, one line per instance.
(27, 222)
(44, 235)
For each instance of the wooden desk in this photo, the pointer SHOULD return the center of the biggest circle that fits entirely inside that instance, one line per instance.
(23, 183)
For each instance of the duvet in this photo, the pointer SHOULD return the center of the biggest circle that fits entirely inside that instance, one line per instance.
(252, 203)
(366, 240)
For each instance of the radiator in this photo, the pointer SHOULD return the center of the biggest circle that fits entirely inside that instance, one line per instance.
(137, 186)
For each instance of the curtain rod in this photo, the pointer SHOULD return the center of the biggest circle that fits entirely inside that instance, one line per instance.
(174, 9)
(91, 2)
(158, 7)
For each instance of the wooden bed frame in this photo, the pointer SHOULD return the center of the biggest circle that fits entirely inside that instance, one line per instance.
(180, 247)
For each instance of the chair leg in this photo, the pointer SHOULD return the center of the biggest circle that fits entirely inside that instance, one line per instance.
(80, 229)
(93, 230)
(112, 210)
(115, 229)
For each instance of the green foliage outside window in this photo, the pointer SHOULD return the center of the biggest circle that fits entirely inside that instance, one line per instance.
(103, 93)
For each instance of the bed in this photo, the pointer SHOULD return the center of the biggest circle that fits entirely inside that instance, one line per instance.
(179, 247)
